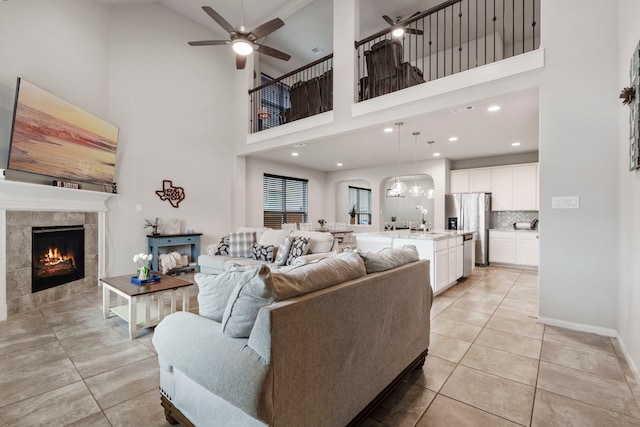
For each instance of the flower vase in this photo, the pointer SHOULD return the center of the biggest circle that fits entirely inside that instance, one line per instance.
(143, 273)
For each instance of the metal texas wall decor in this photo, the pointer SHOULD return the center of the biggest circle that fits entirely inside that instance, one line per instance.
(631, 96)
(173, 194)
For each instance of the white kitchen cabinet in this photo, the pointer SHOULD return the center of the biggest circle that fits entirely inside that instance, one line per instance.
(502, 189)
(514, 247)
(480, 180)
(527, 248)
(525, 187)
(513, 188)
(452, 268)
(459, 181)
(502, 247)
(441, 272)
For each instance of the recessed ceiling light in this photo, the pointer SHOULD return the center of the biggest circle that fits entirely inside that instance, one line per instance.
(294, 154)
(493, 108)
(515, 144)
(388, 130)
(436, 154)
(338, 164)
(453, 139)
(463, 109)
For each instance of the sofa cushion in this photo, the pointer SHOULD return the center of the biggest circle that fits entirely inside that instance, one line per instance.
(283, 251)
(320, 241)
(214, 291)
(240, 244)
(315, 275)
(266, 286)
(273, 237)
(262, 253)
(389, 258)
(299, 247)
(247, 298)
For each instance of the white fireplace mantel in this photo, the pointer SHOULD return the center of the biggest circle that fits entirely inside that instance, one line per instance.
(22, 196)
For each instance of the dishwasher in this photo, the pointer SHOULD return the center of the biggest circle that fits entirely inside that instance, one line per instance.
(467, 254)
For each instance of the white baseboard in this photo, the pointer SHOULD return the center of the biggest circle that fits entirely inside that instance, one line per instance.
(581, 327)
(630, 361)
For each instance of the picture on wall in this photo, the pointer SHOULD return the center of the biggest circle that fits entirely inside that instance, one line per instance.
(632, 98)
(54, 138)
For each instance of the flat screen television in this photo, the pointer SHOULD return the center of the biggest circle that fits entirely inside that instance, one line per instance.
(54, 138)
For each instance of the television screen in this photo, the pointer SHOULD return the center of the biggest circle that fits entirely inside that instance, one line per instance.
(54, 138)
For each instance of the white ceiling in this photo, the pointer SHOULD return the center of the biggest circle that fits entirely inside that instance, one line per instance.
(308, 24)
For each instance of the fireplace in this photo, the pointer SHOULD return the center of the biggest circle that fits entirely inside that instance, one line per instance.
(57, 256)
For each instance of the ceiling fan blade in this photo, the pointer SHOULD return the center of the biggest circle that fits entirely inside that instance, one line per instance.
(241, 61)
(389, 20)
(273, 52)
(413, 31)
(415, 14)
(267, 28)
(219, 19)
(208, 43)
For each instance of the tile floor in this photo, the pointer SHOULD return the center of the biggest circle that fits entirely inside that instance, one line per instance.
(489, 364)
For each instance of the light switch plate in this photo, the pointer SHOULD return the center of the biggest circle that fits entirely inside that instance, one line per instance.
(567, 202)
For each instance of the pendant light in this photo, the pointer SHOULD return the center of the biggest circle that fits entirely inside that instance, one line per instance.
(416, 190)
(431, 192)
(398, 188)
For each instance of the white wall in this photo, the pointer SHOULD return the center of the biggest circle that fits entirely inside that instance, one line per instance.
(377, 177)
(578, 124)
(60, 46)
(629, 206)
(171, 102)
(255, 170)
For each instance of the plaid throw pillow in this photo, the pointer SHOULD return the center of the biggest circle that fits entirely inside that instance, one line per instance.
(299, 247)
(262, 253)
(240, 244)
(223, 247)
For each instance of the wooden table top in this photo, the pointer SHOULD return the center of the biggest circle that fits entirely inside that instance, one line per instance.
(123, 283)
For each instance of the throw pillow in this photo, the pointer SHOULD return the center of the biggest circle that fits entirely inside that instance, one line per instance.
(246, 300)
(240, 244)
(223, 247)
(320, 274)
(283, 251)
(299, 247)
(389, 258)
(214, 291)
(262, 253)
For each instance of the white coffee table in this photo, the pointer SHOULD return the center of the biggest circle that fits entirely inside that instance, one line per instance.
(144, 303)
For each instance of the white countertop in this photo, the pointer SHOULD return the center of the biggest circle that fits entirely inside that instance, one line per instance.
(514, 230)
(418, 235)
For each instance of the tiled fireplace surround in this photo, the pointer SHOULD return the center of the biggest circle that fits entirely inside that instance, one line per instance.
(24, 205)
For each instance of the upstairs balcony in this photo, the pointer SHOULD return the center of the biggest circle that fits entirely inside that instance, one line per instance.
(451, 38)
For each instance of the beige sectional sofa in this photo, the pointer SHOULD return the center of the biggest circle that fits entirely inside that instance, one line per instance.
(328, 342)
(321, 245)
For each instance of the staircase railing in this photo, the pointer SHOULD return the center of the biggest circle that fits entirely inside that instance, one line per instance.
(452, 37)
(301, 93)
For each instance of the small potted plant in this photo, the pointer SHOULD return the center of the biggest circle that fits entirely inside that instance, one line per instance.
(321, 222)
(152, 225)
(352, 214)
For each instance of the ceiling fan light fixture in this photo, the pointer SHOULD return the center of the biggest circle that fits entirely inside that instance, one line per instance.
(397, 32)
(242, 47)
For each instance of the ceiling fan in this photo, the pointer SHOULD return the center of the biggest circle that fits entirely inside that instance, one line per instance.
(242, 39)
(398, 28)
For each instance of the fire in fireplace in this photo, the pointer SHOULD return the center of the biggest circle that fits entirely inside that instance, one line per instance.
(58, 256)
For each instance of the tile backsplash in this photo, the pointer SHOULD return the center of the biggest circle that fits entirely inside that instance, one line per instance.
(505, 219)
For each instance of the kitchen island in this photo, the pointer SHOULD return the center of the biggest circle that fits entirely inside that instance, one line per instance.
(443, 248)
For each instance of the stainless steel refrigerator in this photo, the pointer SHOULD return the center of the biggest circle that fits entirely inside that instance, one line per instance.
(471, 212)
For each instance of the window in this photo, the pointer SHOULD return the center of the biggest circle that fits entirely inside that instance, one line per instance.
(361, 198)
(274, 102)
(284, 200)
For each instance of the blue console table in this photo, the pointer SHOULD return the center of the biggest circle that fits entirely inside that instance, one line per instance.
(178, 243)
